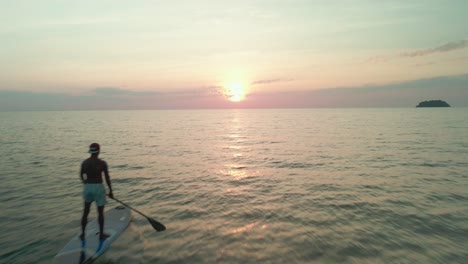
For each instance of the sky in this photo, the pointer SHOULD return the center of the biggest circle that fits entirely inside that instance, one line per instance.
(113, 54)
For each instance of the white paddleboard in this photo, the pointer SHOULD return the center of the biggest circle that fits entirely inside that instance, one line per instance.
(115, 222)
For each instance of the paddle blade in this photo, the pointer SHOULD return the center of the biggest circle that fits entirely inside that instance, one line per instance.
(156, 225)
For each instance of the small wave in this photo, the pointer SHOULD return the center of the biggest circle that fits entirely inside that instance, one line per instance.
(372, 187)
(239, 167)
(353, 205)
(448, 197)
(23, 249)
(433, 165)
(127, 167)
(130, 179)
(189, 214)
(325, 187)
(360, 250)
(296, 165)
(400, 202)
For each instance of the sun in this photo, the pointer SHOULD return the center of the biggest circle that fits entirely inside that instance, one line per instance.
(235, 91)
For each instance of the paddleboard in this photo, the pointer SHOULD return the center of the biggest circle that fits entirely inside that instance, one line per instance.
(77, 251)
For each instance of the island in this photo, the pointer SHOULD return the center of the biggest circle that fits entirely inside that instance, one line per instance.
(433, 103)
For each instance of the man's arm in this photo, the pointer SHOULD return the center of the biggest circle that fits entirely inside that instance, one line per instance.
(81, 175)
(108, 181)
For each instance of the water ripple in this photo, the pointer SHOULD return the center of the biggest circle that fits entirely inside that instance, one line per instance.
(244, 186)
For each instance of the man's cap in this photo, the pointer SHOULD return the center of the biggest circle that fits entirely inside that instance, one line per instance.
(94, 148)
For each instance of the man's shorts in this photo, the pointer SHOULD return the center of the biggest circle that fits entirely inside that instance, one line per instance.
(95, 192)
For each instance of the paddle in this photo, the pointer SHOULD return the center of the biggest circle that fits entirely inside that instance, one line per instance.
(156, 225)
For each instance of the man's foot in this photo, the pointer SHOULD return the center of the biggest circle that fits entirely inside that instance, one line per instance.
(104, 236)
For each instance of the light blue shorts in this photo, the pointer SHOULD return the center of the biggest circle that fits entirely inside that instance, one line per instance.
(94, 192)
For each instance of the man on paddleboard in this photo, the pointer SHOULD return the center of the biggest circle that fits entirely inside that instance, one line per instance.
(91, 176)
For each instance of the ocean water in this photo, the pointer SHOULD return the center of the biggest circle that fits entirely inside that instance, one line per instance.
(244, 186)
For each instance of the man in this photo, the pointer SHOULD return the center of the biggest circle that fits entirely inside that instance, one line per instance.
(91, 176)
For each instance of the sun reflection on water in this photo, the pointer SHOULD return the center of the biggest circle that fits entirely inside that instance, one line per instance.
(236, 173)
(246, 228)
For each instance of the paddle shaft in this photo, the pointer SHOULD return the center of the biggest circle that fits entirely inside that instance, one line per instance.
(130, 207)
(156, 225)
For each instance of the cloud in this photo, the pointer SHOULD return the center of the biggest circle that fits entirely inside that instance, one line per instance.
(111, 91)
(462, 59)
(181, 93)
(106, 99)
(453, 89)
(451, 46)
(270, 81)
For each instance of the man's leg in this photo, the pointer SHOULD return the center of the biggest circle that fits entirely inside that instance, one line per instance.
(84, 219)
(101, 222)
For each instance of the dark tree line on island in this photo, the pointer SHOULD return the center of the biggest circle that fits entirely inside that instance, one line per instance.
(433, 103)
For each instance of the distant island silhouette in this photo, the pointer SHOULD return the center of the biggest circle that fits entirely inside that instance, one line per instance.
(433, 103)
